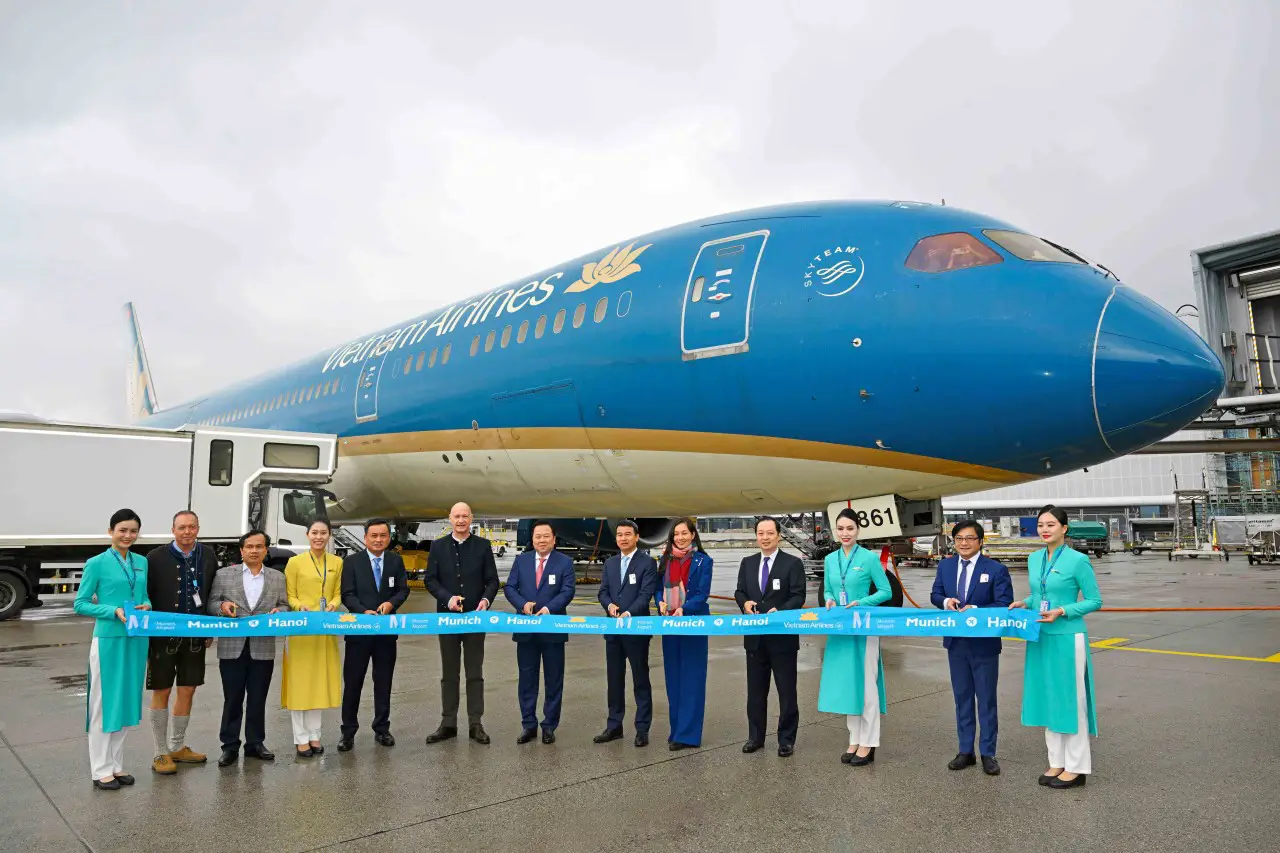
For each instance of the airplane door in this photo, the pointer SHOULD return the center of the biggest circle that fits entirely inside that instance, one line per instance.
(716, 319)
(367, 388)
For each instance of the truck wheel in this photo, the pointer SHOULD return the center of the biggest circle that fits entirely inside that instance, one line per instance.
(13, 594)
(895, 591)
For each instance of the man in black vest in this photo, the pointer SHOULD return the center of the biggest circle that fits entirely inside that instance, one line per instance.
(179, 576)
(462, 575)
(768, 581)
(373, 582)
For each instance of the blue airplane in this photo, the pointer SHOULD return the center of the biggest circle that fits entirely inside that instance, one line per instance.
(767, 360)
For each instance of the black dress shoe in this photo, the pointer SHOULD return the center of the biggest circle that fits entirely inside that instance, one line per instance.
(786, 751)
(527, 735)
(384, 739)
(259, 752)
(442, 733)
(1058, 782)
(124, 779)
(962, 760)
(228, 757)
(752, 746)
(317, 750)
(478, 734)
(304, 753)
(676, 746)
(113, 785)
(1045, 778)
(863, 760)
(345, 744)
(548, 736)
(608, 735)
(846, 757)
(990, 766)
(642, 738)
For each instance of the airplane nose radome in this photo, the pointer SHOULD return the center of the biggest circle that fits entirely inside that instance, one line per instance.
(1151, 374)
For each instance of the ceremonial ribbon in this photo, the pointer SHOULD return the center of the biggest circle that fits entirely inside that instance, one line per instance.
(839, 621)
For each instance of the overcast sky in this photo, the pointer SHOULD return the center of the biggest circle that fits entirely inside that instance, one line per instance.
(267, 179)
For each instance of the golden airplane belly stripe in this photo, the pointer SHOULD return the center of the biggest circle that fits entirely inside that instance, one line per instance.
(664, 441)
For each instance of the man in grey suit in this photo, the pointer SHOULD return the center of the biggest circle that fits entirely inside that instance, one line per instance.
(246, 663)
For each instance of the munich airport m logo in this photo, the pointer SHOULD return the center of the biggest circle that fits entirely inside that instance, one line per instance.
(857, 621)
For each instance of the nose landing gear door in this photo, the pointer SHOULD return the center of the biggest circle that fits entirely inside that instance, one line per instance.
(716, 319)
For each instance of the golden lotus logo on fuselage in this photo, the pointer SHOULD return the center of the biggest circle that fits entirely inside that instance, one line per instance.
(615, 266)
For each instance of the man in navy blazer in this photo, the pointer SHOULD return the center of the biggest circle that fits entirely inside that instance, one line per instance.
(541, 582)
(627, 585)
(970, 579)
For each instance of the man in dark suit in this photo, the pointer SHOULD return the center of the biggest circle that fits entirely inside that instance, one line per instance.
(541, 582)
(462, 575)
(374, 583)
(768, 581)
(970, 579)
(627, 585)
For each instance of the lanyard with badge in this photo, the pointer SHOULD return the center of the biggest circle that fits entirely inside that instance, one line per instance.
(197, 561)
(130, 573)
(1044, 576)
(844, 571)
(324, 578)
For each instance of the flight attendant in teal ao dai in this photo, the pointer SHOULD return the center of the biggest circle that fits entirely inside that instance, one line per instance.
(852, 674)
(117, 662)
(1057, 681)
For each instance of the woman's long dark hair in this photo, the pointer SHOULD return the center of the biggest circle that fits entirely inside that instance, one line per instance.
(695, 546)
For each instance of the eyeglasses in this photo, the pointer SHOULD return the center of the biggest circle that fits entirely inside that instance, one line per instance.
(966, 539)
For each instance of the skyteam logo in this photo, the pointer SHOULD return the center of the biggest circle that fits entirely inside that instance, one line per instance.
(835, 271)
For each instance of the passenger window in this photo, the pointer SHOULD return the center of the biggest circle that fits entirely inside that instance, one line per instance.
(602, 308)
(506, 337)
(475, 345)
(559, 323)
(448, 348)
(541, 327)
(431, 361)
(220, 458)
(408, 365)
(488, 341)
(579, 314)
(422, 357)
(624, 303)
(947, 252)
(523, 332)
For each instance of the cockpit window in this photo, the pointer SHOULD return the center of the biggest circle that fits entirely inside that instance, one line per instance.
(955, 251)
(1030, 248)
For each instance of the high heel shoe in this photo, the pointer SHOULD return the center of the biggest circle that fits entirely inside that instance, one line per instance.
(863, 760)
(1059, 782)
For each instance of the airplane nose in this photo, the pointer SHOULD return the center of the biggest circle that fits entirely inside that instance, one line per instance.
(1151, 374)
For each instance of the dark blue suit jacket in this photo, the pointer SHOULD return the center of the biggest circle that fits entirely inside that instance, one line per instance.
(995, 591)
(634, 595)
(698, 590)
(555, 593)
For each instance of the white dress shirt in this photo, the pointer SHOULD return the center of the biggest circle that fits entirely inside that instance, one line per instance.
(253, 585)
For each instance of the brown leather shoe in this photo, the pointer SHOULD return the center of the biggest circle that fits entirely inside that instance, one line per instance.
(187, 755)
(163, 764)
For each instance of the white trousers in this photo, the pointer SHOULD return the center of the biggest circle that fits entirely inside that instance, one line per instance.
(864, 730)
(106, 749)
(306, 726)
(1071, 752)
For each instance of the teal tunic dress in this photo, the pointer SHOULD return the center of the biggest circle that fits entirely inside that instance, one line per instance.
(1049, 677)
(122, 659)
(843, 674)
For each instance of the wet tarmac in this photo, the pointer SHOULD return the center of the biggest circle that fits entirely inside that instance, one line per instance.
(1186, 759)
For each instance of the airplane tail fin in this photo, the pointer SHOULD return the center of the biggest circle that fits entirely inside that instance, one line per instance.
(142, 393)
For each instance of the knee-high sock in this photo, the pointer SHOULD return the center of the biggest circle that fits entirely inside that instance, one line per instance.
(178, 737)
(160, 730)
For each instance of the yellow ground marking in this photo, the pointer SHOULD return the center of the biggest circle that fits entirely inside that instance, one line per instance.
(1115, 644)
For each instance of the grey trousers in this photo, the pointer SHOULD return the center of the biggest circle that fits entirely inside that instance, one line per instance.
(451, 660)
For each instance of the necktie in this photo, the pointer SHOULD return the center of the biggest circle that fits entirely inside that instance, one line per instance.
(622, 579)
(964, 581)
(377, 572)
(764, 574)
(537, 578)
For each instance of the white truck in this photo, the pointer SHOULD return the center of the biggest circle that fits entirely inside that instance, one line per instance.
(60, 483)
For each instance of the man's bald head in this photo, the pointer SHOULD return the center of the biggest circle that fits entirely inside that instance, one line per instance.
(460, 519)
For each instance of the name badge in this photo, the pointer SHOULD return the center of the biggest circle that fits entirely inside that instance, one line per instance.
(844, 598)
(631, 578)
(777, 583)
(551, 580)
(1044, 606)
(195, 599)
(391, 583)
(984, 578)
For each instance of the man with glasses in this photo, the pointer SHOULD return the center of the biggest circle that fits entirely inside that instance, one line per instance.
(966, 580)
